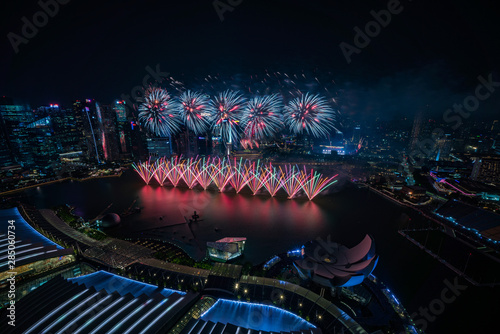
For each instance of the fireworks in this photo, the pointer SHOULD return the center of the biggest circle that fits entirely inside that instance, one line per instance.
(159, 171)
(238, 174)
(248, 143)
(272, 180)
(241, 175)
(158, 112)
(225, 113)
(257, 176)
(174, 171)
(145, 170)
(262, 117)
(309, 113)
(193, 108)
(229, 114)
(292, 181)
(316, 183)
(202, 171)
(221, 173)
(188, 171)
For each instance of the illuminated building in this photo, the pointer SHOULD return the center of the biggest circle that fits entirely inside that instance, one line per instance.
(123, 129)
(415, 132)
(159, 147)
(106, 303)
(67, 128)
(486, 169)
(14, 121)
(413, 192)
(331, 264)
(88, 119)
(34, 253)
(226, 249)
(6, 152)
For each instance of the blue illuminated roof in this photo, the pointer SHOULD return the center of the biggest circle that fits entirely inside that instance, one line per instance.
(111, 283)
(30, 246)
(255, 316)
(23, 231)
(69, 306)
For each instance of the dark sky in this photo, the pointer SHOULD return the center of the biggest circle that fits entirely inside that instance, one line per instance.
(431, 53)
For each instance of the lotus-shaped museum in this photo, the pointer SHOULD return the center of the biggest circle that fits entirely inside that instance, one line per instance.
(331, 264)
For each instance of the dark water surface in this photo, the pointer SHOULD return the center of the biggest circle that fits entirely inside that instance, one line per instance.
(275, 225)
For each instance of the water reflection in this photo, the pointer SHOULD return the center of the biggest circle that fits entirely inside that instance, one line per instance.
(271, 225)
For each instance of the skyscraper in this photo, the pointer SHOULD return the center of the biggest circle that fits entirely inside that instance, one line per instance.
(415, 132)
(89, 114)
(122, 129)
(15, 119)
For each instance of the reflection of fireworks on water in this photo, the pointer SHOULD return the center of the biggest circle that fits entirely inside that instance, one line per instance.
(158, 112)
(193, 108)
(262, 117)
(239, 174)
(225, 113)
(309, 113)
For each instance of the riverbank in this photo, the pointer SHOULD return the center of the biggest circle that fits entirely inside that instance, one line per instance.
(58, 181)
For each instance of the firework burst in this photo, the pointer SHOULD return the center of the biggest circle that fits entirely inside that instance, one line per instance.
(273, 179)
(225, 113)
(193, 108)
(203, 173)
(175, 171)
(188, 172)
(158, 112)
(221, 173)
(292, 180)
(316, 183)
(145, 170)
(160, 172)
(257, 177)
(241, 175)
(262, 117)
(309, 113)
(248, 143)
(238, 174)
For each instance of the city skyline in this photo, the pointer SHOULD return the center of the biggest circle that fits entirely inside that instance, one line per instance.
(397, 72)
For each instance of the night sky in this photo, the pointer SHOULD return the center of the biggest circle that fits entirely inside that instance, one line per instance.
(431, 52)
